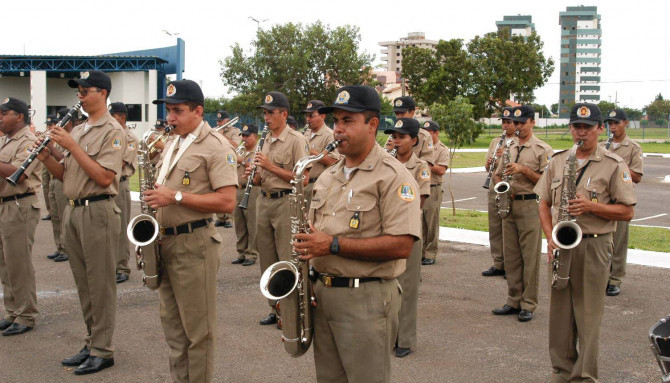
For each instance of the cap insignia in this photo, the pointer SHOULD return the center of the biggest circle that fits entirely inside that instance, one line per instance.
(506, 113)
(584, 111)
(268, 99)
(6, 100)
(398, 124)
(342, 97)
(245, 128)
(171, 90)
(426, 124)
(517, 113)
(309, 105)
(218, 115)
(613, 113)
(398, 102)
(84, 75)
(158, 122)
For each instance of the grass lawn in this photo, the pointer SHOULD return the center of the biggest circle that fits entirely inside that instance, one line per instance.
(643, 238)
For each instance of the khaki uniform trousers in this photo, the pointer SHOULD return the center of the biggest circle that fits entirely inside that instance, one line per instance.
(575, 313)
(409, 281)
(122, 200)
(522, 245)
(91, 240)
(431, 222)
(354, 331)
(58, 201)
(46, 178)
(273, 237)
(245, 225)
(17, 235)
(620, 255)
(187, 293)
(495, 233)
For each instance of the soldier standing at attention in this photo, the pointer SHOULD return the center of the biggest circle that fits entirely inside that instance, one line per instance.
(318, 134)
(232, 134)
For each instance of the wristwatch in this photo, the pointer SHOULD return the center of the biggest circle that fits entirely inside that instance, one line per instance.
(178, 197)
(335, 246)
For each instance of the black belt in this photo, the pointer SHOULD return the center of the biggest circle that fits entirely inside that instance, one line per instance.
(87, 200)
(123, 179)
(185, 228)
(278, 194)
(330, 281)
(312, 180)
(434, 186)
(522, 197)
(15, 197)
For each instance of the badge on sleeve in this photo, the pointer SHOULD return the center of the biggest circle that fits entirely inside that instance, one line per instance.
(406, 193)
(625, 176)
(116, 143)
(131, 145)
(231, 160)
(425, 175)
(186, 180)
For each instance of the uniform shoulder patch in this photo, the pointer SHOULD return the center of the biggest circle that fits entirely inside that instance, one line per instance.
(406, 192)
(625, 176)
(425, 174)
(131, 145)
(231, 160)
(116, 143)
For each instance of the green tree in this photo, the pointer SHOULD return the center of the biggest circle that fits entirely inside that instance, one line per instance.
(304, 62)
(606, 107)
(554, 108)
(660, 108)
(212, 105)
(633, 114)
(542, 110)
(505, 65)
(456, 117)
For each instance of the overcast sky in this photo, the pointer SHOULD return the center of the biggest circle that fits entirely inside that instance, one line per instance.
(635, 61)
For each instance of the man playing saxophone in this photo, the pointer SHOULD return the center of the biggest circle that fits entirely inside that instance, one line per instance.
(365, 218)
(604, 191)
(196, 177)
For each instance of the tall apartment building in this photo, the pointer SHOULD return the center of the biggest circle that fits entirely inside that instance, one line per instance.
(519, 25)
(580, 57)
(392, 50)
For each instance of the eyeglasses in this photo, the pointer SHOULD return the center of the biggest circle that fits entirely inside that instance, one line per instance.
(85, 92)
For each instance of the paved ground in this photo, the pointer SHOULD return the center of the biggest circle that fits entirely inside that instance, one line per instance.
(459, 339)
(652, 193)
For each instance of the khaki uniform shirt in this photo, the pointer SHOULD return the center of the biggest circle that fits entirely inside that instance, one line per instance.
(130, 154)
(207, 165)
(424, 149)
(630, 151)
(13, 151)
(233, 134)
(284, 152)
(241, 168)
(318, 142)
(606, 179)
(534, 154)
(385, 198)
(418, 168)
(104, 142)
(442, 159)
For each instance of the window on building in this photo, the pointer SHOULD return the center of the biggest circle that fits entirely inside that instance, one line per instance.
(397, 61)
(397, 54)
(134, 112)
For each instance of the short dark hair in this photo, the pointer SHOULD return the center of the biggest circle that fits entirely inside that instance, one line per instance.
(194, 104)
(369, 114)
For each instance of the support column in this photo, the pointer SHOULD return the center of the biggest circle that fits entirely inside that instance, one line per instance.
(38, 98)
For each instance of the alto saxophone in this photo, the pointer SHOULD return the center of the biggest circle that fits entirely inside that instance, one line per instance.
(503, 197)
(566, 234)
(143, 229)
(288, 282)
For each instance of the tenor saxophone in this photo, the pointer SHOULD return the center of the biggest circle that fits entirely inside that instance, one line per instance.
(288, 282)
(566, 234)
(143, 229)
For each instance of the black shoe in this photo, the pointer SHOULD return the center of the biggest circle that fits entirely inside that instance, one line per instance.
(227, 224)
(4, 324)
(401, 352)
(54, 255)
(46, 217)
(525, 316)
(16, 329)
(237, 261)
(78, 359)
(506, 310)
(94, 364)
(425, 262)
(270, 319)
(62, 257)
(612, 291)
(121, 277)
(492, 272)
(219, 223)
(249, 262)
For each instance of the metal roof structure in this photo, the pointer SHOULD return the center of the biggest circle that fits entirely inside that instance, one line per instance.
(69, 66)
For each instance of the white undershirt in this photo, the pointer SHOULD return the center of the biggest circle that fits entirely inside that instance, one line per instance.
(616, 144)
(347, 172)
(581, 161)
(86, 127)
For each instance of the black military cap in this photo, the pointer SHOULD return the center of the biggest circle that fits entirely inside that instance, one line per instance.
(182, 91)
(274, 100)
(616, 115)
(355, 98)
(290, 121)
(118, 107)
(249, 129)
(585, 113)
(160, 123)
(403, 104)
(405, 125)
(431, 125)
(314, 106)
(523, 113)
(11, 103)
(51, 119)
(507, 113)
(92, 78)
(62, 113)
(222, 115)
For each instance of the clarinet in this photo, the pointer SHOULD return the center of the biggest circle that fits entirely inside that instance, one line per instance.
(493, 161)
(609, 141)
(14, 178)
(244, 203)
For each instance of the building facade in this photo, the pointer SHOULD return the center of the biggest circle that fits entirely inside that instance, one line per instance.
(392, 50)
(580, 57)
(519, 25)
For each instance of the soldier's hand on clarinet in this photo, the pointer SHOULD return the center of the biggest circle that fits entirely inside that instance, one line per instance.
(62, 138)
(160, 196)
(314, 244)
(262, 161)
(44, 154)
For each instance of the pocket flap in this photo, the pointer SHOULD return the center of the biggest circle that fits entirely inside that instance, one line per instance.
(361, 204)
(188, 164)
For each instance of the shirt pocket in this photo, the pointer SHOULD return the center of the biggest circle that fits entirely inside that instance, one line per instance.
(189, 169)
(361, 214)
(93, 148)
(596, 193)
(6, 156)
(282, 159)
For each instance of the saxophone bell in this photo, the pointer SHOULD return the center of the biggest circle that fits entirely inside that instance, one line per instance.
(279, 280)
(142, 230)
(501, 187)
